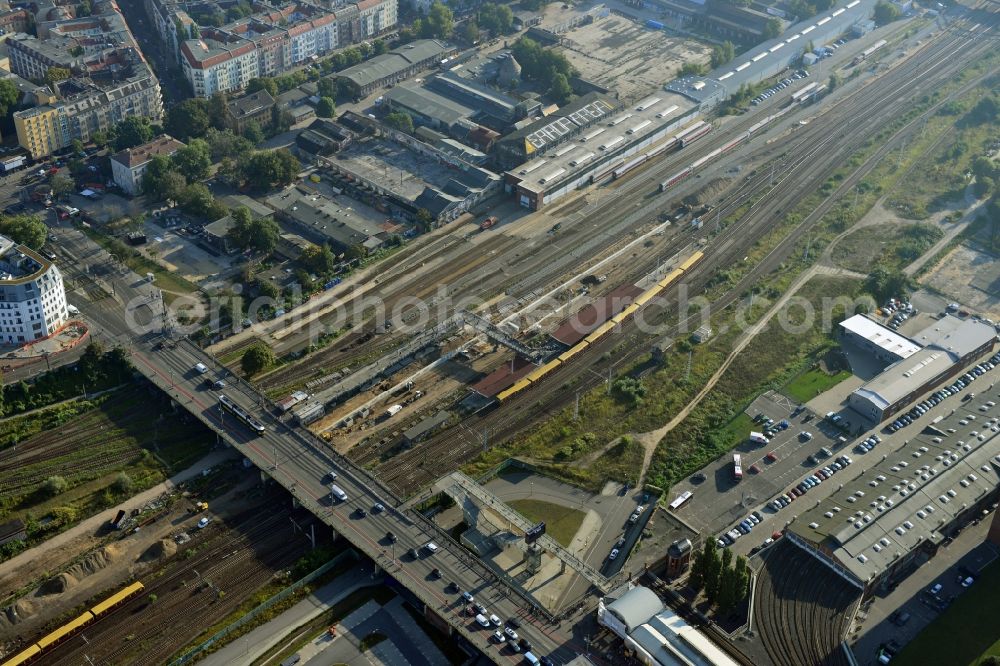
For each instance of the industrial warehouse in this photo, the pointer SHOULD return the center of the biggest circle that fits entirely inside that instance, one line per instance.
(873, 528)
(939, 352)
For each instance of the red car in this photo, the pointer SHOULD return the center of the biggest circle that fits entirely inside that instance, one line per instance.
(772, 456)
(755, 469)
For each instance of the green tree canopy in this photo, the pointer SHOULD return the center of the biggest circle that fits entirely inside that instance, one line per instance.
(326, 108)
(9, 95)
(57, 74)
(540, 64)
(161, 181)
(257, 358)
(188, 120)
(560, 89)
(263, 170)
(772, 28)
(400, 120)
(194, 160)
(225, 143)
(318, 259)
(197, 200)
(260, 234)
(263, 83)
(440, 21)
(884, 284)
(722, 53)
(886, 12)
(27, 230)
(131, 132)
(498, 19)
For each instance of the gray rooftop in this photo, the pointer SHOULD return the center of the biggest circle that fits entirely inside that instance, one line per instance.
(395, 61)
(905, 498)
(429, 104)
(958, 337)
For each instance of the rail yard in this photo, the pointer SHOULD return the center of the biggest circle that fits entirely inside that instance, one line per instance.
(441, 336)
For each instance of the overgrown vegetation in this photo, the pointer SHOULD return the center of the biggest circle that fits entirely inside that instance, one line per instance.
(561, 522)
(891, 246)
(84, 457)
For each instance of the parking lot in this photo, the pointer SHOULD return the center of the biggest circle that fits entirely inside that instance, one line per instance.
(719, 501)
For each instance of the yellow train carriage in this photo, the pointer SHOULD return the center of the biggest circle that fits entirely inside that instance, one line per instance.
(511, 391)
(600, 332)
(691, 261)
(117, 599)
(541, 371)
(24, 657)
(672, 277)
(625, 314)
(573, 351)
(65, 631)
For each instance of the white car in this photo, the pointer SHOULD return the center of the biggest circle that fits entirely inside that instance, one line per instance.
(482, 621)
(203, 523)
(936, 588)
(614, 554)
(968, 581)
(512, 635)
(431, 547)
(498, 635)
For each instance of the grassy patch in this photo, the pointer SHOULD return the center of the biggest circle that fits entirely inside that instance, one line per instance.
(965, 633)
(890, 245)
(140, 264)
(561, 522)
(811, 383)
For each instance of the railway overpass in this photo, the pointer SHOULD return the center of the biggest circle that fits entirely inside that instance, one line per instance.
(301, 463)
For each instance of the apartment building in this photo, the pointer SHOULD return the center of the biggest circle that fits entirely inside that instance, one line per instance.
(129, 166)
(268, 43)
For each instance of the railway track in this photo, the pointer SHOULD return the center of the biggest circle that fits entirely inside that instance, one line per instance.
(238, 563)
(937, 62)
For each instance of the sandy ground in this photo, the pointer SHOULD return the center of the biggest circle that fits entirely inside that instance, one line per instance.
(620, 54)
(73, 566)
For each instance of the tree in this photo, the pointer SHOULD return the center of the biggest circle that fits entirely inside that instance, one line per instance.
(123, 484)
(253, 133)
(263, 170)
(834, 81)
(696, 579)
(194, 160)
(884, 284)
(742, 578)
(263, 83)
(498, 19)
(216, 110)
(27, 230)
(470, 31)
(440, 21)
(326, 88)
(9, 95)
(188, 120)
(560, 90)
(258, 234)
(161, 181)
(772, 28)
(379, 47)
(722, 53)
(61, 185)
(727, 583)
(326, 108)
(712, 571)
(400, 120)
(318, 259)
(257, 358)
(225, 143)
(131, 132)
(56, 74)
(886, 12)
(197, 200)
(540, 64)
(54, 485)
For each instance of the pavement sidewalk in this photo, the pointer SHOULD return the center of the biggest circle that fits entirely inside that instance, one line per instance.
(250, 647)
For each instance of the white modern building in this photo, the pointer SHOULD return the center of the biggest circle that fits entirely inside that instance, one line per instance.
(655, 634)
(32, 297)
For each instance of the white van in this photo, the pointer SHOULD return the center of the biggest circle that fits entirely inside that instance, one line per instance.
(200, 368)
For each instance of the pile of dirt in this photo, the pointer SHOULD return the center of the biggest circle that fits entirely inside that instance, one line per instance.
(57, 585)
(160, 550)
(19, 611)
(99, 559)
